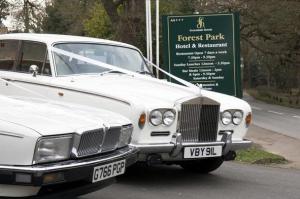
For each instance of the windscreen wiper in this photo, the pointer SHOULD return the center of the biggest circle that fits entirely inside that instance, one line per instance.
(145, 73)
(111, 71)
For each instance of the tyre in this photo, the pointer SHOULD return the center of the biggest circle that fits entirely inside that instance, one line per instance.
(202, 166)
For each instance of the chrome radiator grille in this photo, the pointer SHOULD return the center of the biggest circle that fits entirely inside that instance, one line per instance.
(111, 140)
(199, 120)
(98, 141)
(90, 142)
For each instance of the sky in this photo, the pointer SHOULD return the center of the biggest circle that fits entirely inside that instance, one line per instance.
(8, 23)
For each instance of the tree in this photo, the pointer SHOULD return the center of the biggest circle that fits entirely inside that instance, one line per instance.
(127, 16)
(28, 15)
(66, 16)
(98, 23)
(127, 20)
(4, 8)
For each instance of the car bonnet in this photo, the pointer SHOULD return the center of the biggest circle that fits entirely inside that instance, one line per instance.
(51, 118)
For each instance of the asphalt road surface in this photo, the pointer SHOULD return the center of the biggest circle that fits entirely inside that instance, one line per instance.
(231, 181)
(275, 118)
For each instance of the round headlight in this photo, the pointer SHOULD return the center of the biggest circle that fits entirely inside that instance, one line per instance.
(226, 117)
(168, 118)
(237, 117)
(156, 117)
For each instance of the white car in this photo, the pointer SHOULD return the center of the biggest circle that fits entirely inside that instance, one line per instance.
(53, 149)
(180, 124)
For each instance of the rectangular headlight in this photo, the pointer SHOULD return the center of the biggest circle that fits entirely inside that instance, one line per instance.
(125, 138)
(52, 149)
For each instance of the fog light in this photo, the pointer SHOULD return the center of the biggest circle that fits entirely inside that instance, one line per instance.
(53, 178)
(23, 178)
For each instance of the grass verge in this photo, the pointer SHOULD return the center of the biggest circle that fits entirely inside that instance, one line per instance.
(256, 155)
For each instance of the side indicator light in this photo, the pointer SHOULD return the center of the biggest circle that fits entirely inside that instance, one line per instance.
(248, 119)
(142, 120)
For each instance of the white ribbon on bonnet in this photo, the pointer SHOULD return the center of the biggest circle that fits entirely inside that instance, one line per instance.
(116, 68)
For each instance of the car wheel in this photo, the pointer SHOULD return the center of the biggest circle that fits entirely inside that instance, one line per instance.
(202, 166)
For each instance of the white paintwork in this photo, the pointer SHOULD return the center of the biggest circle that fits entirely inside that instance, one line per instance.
(127, 94)
(24, 120)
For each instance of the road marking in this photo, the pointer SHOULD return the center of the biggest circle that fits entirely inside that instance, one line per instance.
(278, 113)
(256, 108)
(296, 116)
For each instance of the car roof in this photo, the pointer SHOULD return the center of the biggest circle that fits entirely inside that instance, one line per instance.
(50, 39)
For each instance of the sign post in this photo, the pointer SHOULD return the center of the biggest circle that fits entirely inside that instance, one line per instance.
(204, 49)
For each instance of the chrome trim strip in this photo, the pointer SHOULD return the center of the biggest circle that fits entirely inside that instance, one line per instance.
(243, 144)
(10, 134)
(70, 89)
(169, 147)
(41, 168)
(155, 148)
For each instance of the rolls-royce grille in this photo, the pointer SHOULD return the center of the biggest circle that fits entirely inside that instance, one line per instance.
(111, 139)
(90, 142)
(199, 122)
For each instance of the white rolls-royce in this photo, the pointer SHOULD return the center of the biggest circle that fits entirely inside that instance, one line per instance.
(173, 123)
(53, 149)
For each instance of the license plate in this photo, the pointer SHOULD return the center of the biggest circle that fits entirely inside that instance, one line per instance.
(202, 152)
(108, 170)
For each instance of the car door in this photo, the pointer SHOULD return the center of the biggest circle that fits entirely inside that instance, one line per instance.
(21, 79)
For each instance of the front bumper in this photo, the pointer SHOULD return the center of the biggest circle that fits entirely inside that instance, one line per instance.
(173, 151)
(75, 172)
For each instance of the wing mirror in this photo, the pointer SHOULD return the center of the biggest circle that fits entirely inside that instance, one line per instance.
(34, 70)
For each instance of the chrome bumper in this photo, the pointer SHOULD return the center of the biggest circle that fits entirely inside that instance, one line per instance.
(174, 148)
(69, 168)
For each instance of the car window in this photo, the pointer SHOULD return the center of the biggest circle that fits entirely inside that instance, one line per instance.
(32, 53)
(8, 52)
(122, 57)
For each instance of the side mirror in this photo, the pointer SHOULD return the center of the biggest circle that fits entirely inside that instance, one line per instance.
(34, 70)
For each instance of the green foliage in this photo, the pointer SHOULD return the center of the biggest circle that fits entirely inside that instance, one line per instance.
(173, 7)
(98, 23)
(66, 16)
(55, 22)
(254, 155)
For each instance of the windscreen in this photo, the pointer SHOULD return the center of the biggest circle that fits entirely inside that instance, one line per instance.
(125, 58)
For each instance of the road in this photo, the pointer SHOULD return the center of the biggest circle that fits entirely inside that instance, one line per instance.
(231, 181)
(275, 118)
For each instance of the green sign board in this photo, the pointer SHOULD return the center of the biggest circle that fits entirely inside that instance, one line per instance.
(204, 49)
